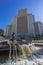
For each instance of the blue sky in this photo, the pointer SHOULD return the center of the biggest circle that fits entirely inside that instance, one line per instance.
(8, 8)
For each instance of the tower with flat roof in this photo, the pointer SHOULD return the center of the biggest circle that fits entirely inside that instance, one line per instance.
(23, 22)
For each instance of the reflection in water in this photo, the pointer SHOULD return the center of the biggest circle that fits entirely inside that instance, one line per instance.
(22, 54)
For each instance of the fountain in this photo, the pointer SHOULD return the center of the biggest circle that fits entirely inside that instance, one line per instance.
(27, 50)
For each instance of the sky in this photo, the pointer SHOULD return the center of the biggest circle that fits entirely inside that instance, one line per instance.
(8, 9)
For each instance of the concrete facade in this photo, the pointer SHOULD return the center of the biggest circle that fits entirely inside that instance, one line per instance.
(14, 24)
(38, 28)
(31, 20)
(42, 28)
(22, 27)
(22, 12)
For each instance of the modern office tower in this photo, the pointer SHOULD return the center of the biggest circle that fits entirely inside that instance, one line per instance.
(38, 28)
(8, 30)
(23, 23)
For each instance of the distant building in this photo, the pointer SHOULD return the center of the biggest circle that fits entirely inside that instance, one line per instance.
(8, 30)
(5, 32)
(23, 23)
(38, 28)
(14, 24)
(1, 32)
(42, 28)
(31, 20)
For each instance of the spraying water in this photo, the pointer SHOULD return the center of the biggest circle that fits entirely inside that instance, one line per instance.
(27, 50)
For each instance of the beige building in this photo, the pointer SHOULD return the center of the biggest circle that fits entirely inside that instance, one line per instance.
(22, 26)
(23, 23)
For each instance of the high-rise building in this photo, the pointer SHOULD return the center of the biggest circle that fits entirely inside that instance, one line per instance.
(30, 22)
(23, 23)
(38, 28)
(42, 28)
(14, 24)
(22, 26)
